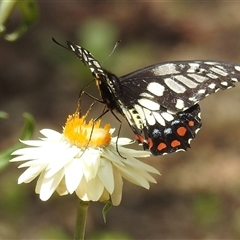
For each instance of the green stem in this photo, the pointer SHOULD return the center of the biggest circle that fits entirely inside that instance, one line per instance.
(6, 8)
(81, 220)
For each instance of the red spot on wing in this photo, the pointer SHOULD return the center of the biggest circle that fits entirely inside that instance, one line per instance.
(161, 146)
(140, 139)
(181, 131)
(191, 123)
(150, 143)
(175, 143)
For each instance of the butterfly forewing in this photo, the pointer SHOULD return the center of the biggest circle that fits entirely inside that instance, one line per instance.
(179, 85)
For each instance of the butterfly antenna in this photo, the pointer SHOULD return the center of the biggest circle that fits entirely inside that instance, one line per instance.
(115, 46)
(55, 41)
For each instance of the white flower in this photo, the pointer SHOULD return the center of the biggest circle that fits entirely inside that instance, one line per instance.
(69, 161)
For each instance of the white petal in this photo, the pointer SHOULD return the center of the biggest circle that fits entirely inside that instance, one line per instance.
(30, 174)
(32, 143)
(112, 130)
(105, 174)
(133, 153)
(39, 182)
(112, 156)
(94, 189)
(91, 162)
(34, 163)
(91, 190)
(28, 153)
(122, 141)
(82, 188)
(60, 160)
(51, 134)
(61, 188)
(73, 175)
(146, 175)
(134, 177)
(141, 165)
(48, 185)
(116, 196)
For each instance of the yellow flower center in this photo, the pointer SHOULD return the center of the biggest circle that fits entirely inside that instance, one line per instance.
(83, 134)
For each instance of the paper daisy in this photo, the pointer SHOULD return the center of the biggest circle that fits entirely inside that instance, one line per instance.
(83, 159)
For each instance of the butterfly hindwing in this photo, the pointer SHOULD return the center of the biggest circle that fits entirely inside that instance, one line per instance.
(172, 133)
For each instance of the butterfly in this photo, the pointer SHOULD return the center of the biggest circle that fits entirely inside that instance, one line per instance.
(160, 102)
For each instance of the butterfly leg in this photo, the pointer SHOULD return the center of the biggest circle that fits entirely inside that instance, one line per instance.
(83, 92)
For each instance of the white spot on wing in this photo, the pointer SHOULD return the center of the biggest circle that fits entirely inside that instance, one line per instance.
(176, 87)
(211, 75)
(165, 69)
(149, 104)
(212, 85)
(197, 130)
(172, 112)
(159, 118)
(179, 104)
(156, 88)
(167, 131)
(139, 109)
(146, 95)
(136, 118)
(237, 68)
(224, 83)
(223, 68)
(218, 71)
(186, 81)
(169, 117)
(211, 63)
(149, 116)
(96, 64)
(193, 67)
(84, 57)
(193, 99)
(201, 91)
(198, 78)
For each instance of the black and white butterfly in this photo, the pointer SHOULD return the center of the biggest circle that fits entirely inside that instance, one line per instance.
(160, 102)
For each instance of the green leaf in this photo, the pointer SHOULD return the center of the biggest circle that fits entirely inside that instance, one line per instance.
(6, 8)
(28, 128)
(30, 13)
(27, 132)
(105, 210)
(3, 115)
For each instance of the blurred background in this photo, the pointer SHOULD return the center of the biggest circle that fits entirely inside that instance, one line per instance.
(198, 194)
